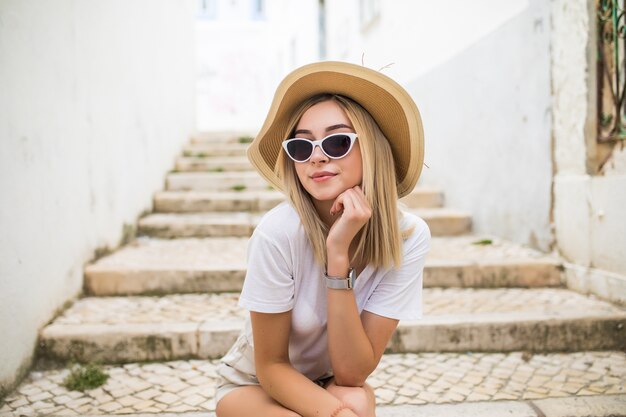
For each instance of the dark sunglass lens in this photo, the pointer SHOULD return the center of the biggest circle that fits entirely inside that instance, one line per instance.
(337, 145)
(300, 150)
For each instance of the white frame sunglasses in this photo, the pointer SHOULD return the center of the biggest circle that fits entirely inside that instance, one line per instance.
(320, 143)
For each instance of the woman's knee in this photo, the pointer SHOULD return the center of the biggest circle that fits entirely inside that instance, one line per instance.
(251, 401)
(361, 400)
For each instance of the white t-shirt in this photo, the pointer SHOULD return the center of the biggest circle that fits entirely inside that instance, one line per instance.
(283, 275)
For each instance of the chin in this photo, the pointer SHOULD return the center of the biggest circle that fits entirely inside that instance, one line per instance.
(323, 195)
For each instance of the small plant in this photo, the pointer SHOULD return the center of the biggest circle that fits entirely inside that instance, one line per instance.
(245, 139)
(187, 153)
(238, 187)
(269, 187)
(483, 242)
(202, 154)
(84, 377)
(216, 169)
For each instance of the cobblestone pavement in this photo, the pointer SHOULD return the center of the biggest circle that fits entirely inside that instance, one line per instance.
(200, 307)
(188, 386)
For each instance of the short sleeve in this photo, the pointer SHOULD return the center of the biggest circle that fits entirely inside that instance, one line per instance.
(269, 285)
(399, 293)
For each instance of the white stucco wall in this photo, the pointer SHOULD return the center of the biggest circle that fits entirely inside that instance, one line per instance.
(480, 73)
(242, 58)
(96, 98)
(589, 207)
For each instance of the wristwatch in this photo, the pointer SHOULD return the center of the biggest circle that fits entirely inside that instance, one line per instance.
(340, 283)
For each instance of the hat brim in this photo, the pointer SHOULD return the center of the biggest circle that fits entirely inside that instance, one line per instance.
(386, 101)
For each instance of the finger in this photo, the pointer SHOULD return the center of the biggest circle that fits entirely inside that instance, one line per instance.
(337, 205)
(351, 204)
(361, 196)
(360, 202)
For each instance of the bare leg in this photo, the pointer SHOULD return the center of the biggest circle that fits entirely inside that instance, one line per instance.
(251, 401)
(360, 399)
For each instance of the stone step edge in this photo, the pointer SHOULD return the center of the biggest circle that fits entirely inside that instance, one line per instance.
(524, 273)
(441, 221)
(498, 332)
(256, 200)
(220, 137)
(571, 406)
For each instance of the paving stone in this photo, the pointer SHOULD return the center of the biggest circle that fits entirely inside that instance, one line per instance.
(148, 394)
(18, 402)
(111, 407)
(167, 398)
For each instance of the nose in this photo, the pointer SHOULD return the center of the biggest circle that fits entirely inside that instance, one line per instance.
(318, 155)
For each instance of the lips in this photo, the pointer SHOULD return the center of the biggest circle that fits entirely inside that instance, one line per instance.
(322, 176)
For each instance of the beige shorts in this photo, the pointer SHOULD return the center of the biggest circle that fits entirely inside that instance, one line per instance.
(230, 379)
(240, 358)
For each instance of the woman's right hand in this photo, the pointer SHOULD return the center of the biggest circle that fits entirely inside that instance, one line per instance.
(354, 212)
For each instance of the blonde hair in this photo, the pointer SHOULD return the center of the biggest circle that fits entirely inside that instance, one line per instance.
(380, 240)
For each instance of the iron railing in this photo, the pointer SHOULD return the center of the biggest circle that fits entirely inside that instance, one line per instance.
(611, 23)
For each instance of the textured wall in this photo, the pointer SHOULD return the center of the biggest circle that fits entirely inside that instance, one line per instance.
(480, 73)
(588, 209)
(96, 98)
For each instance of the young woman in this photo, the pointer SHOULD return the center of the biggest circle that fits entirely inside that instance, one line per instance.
(331, 272)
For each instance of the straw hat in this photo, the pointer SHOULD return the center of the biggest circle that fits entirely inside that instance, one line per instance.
(389, 104)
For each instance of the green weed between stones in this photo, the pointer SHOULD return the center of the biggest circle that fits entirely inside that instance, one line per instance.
(216, 169)
(483, 242)
(84, 377)
(238, 187)
(245, 139)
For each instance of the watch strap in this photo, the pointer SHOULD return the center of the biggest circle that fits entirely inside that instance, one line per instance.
(340, 283)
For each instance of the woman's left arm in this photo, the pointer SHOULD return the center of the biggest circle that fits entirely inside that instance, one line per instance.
(356, 343)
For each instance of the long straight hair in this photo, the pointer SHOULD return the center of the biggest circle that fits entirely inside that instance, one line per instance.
(380, 240)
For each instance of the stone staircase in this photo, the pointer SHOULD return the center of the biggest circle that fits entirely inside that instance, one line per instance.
(171, 294)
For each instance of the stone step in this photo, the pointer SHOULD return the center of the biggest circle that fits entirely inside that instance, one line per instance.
(214, 224)
(215, 181)
(445, 221)
(155, 266)
(213, 164)
(222, 137)
(406, 385)
(442, 222)
(128, 329)
(211, 201)
(215, 149)
(205, 201)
